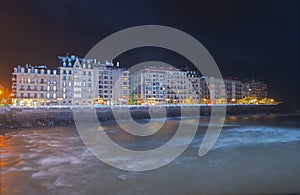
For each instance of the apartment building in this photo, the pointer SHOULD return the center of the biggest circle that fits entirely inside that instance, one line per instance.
(234, 90)
(80, 81)
(112, 85)
(213, 90)
(195, 84)
(35, 86)
(254, 88)
(76, 81)
(162, 85)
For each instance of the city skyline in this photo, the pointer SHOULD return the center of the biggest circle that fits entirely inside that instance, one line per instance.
(83, 81)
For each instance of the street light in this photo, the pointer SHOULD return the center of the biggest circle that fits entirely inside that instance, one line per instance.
(59, 101)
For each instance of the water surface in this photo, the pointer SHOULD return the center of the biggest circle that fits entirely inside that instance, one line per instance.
(254, 154)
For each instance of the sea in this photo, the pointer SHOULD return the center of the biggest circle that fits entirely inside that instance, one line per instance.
(254, 154)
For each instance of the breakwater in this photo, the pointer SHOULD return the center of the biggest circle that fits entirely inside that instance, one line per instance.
(17, 118)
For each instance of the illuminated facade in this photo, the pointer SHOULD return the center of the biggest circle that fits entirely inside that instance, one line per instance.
(112, 84)
(212, 90)
(254, 88)
(80, 81)
(76, 81)
(195, 84)
(163, 85)
(35, 86)
(234, 90)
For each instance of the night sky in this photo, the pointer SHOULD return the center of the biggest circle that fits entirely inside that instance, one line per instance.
(246, 38)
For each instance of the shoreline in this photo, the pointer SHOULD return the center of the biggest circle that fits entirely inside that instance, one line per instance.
(18, 118)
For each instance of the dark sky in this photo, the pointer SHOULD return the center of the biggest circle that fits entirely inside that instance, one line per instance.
(246, 38)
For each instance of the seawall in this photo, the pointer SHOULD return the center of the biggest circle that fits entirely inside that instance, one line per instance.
(18, 118)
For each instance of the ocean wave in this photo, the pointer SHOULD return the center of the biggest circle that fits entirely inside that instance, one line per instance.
(255, 135)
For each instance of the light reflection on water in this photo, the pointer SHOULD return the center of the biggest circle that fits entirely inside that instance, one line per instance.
(257, 154)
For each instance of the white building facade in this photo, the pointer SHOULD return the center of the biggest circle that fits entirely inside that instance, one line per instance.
(80, 81)
(34, 86)
(76, 81)
(112, 86)
(162, 85)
